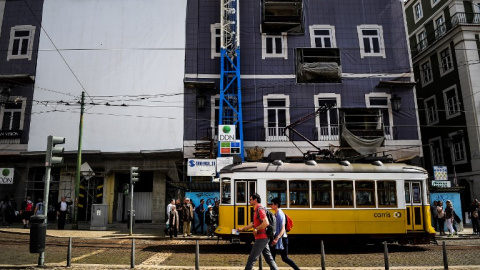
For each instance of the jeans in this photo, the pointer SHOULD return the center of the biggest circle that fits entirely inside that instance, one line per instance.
(284, 254)
(201, 222)
(260, 246)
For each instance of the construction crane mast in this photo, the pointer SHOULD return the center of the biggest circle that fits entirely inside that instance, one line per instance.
(230, 107)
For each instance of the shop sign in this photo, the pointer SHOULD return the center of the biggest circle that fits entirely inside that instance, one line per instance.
(226, 133)
(6, 176)
(201, 167)
(223, 162)
(440, 173)
(442, 184)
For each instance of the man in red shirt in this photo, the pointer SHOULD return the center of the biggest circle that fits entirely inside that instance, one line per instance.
(260, 222)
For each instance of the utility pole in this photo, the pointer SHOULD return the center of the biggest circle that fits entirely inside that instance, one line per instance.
(79, 165)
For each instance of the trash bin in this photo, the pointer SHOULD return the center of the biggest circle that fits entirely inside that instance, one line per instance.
(99, 217)
(38, 233)
(128, 219)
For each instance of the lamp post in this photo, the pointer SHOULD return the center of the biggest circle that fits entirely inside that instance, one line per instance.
(396, 102)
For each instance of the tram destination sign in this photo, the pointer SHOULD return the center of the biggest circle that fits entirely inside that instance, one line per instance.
(6, 176)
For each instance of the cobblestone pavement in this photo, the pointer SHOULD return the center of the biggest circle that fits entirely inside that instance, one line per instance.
(154, 251)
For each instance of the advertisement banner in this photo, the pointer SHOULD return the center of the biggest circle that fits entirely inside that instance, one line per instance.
(7, 176)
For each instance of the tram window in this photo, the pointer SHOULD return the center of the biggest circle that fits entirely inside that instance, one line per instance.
(277, 188)
(387, 194)
(299, 193)
(416, 193)
(226, 197)
(365, 193)
(240, 190)
(343, 193)
(322, 193)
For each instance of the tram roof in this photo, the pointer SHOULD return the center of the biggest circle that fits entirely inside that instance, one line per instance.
(322, 167)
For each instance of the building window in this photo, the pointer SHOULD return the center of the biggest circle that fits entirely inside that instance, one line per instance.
(436, 151)
(452, 104)
(458, 148)
(440, 27)
(13, 117)
(277, 188)
(417, 11)
(322, 194)
(21, 42)
(343, 194)
(422, 40)
(431, 111)
(387, 194)
(371, 40)
(382, 101)
(276, 117)
(215, 31)
(274, 46)
(365, 193)
(445, 61)
(327, 120)
(299, 194)
(214, 109)
(434, 2)
(426, 71)
(322, 36)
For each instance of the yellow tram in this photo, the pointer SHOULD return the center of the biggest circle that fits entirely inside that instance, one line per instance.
(367, 202)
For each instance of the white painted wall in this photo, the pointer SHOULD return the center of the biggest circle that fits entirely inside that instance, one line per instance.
(113, 48)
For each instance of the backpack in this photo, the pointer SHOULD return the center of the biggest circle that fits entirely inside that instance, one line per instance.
(272, 227)
(29, 207)
(288, 223)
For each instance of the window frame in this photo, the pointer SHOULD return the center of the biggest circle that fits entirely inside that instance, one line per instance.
(429, 71)
(269, 198)
(3, 110)
(302, 190)
(330, 192)
(268, 97)
(434, 2)
(335, 205)
(31, 29)
(417, 13)
(458, 147)
(372, 191)
(283, 38)
(436, 156)
(332, 37)
(422, 40)
(213, 40)
(386, 190)
(381, 42)
(427, 111)
(440, 29)
(450, 62)
(318, 126)
(387, 128)
(457, 111)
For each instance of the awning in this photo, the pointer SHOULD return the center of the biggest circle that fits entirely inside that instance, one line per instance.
(195, 186)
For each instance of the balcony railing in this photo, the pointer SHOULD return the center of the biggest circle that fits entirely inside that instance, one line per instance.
(328, 133)
(275, 134)
(457, 19)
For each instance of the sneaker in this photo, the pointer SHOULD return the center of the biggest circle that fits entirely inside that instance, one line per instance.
(450, 235)
(24, 226)
(455, 233)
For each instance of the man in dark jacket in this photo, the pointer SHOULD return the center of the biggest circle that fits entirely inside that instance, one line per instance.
(187, 213)
(200, 211)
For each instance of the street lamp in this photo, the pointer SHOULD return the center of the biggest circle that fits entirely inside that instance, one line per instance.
(396, 102)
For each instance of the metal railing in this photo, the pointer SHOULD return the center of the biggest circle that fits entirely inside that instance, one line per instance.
(457, 19)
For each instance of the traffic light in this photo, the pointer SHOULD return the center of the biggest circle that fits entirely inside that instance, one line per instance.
(133, 175)
(52, 149)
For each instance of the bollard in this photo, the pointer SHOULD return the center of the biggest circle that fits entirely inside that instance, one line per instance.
(322, 249)
(197, 256)
(385, 255)
(132, 258)
(260, 262)
(69, 252)
(445, 258)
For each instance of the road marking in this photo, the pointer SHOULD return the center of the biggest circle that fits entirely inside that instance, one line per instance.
(160, 257)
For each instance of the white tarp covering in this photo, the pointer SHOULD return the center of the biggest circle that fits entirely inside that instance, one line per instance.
(120, 52)
(361, 145)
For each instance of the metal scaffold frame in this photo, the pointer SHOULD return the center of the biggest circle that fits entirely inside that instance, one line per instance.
(230, 107)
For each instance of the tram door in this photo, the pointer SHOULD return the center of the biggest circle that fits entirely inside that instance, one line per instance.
(243, 210)
(413, 200)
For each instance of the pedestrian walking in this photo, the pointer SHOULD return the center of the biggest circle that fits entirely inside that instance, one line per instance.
(433, 211)
(39, 207)
(280, 241)
(26, 211)
(210, 219)
(187, 217)
(62, 211)
(3, 210)
(449, 212)
(200, 211)
(473, 214)
(178, 205)
(260, 246)
(441, 217)
(173, 222)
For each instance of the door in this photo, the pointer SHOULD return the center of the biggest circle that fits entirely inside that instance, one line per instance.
(243, 211)
(413, 200)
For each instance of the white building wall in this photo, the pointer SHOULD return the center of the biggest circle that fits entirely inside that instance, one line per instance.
(119, 52)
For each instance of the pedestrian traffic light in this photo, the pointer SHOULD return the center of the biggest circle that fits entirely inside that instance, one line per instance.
(52, 149)
(133, 175)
